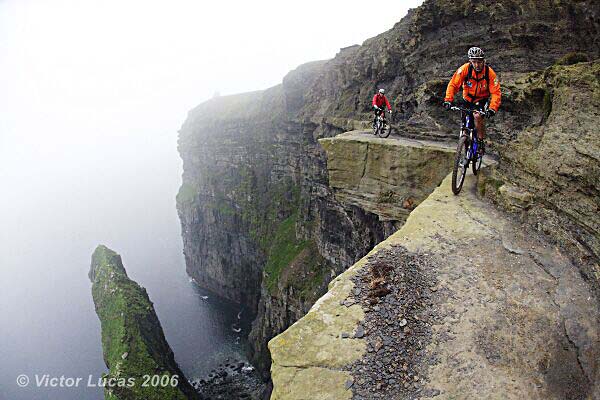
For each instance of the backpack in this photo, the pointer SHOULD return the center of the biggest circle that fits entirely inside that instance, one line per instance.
(486, 75)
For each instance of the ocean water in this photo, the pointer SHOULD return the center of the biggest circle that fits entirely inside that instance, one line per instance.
(53, 213)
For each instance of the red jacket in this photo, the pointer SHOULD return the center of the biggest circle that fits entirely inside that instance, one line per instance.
(380, 100)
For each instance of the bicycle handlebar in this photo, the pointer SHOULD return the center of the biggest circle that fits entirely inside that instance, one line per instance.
(457, 108)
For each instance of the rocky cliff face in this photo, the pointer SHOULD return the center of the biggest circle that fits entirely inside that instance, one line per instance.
(133, 341)
(549, 173)
(258, 218)
(388, 178)
(462, 302)
(414, 60)
(262, 223)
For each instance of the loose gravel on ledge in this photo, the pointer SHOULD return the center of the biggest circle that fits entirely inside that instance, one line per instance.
(396, 289)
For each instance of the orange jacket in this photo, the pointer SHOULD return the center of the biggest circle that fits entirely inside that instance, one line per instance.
(476, 88)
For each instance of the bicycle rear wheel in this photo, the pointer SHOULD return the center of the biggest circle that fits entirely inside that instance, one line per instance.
(461, 164)
(385, 130)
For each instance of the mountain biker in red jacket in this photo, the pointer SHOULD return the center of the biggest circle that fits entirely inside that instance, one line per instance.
(379, 100)
(481, 90)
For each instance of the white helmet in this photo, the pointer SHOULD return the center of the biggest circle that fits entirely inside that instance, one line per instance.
(381, 91)
(475, 53)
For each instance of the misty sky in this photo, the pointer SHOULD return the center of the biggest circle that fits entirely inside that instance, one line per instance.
(92, 94)
(95, 89)
(77, 74)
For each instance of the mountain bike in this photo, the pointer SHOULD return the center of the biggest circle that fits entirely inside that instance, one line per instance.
(466, 151)
(381, 126)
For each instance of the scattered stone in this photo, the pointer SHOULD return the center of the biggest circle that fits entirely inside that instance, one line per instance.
(349, 384)
(394, 361)
(360, 332)
(345, 335)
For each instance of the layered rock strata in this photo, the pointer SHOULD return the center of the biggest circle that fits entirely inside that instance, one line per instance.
(261, 223)
(387, 177)
(549, 174)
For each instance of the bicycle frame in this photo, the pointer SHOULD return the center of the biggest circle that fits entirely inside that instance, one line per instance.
(468, 125)
(466, 152)
(468, 128)
(381, 125)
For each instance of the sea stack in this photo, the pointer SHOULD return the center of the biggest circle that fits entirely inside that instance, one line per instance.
(140, 361)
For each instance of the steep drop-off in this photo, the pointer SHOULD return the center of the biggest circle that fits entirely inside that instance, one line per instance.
(500, 313)
(133, 342)
(262, 224)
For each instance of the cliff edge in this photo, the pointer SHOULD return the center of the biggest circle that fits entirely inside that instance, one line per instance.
(265, 225)
(462, 302)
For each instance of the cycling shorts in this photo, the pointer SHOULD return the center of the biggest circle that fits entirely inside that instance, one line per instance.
(480, 105)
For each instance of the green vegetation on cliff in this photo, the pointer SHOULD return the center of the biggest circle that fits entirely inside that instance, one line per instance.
(245, 161)
(133, 342)
(187, 193)
(284, 249)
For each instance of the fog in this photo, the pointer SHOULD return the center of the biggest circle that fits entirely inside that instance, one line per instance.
(92, 94)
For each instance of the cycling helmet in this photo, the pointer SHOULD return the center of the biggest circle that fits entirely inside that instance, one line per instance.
(476, 52)
(381, 91)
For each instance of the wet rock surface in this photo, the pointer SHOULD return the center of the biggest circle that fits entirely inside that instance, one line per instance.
(232, 380)
(395, 290)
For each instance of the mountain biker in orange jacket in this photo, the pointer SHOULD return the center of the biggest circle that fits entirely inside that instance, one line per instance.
(379, 100)
(481, 89)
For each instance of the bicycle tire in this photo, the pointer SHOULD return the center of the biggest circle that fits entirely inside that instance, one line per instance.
(385, 130)
(461, 155)
(476, 164)
(376, 128)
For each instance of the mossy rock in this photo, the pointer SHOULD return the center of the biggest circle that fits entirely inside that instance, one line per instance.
(572, 58)
(133, 342)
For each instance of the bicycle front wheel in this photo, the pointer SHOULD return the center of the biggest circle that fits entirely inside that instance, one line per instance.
(376, 127)
(385, 130)
(461, 163)
(476, 165)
